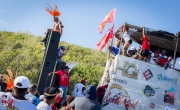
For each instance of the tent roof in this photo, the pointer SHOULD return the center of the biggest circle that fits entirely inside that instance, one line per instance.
(164, 40)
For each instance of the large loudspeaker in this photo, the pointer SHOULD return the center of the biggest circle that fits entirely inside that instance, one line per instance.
(49, 63)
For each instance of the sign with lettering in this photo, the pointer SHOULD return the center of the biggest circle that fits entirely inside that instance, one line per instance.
(136, 85)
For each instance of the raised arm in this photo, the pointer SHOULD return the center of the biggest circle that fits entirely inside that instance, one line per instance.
(60, 27)
(143, 33)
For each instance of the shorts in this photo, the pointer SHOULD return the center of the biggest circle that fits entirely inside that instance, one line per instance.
(130, 41)
(59, 60)
(144, 53)
(115, 50)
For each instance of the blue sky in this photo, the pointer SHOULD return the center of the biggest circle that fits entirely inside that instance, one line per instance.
(81, 18)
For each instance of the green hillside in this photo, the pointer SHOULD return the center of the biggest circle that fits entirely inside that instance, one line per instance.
(21, 52)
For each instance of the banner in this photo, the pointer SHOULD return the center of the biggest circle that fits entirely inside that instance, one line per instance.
(136, 85)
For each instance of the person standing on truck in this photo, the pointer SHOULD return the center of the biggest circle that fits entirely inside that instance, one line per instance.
(127, 40)
(115, 49)
(145, 46)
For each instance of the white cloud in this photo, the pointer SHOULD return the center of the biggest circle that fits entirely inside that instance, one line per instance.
(3, 22)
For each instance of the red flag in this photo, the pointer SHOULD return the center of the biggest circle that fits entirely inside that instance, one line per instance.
(101, 44)
(109, 18)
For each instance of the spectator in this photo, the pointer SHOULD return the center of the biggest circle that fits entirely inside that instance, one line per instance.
(145, 47)
(168, 64)
(87, 102)
(41, 98)
(64, 80)
(31, 96)
(127, 40)
(163, 58)
(49, 95)
(154, 59)
(132, 52)
(61, 54)
(100, 92)
(2, 89)
(57, 100)
(69, 100)
(79, 89)
(115, 49)
(16, 100)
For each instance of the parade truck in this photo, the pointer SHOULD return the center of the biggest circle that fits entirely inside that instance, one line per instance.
(138, 85)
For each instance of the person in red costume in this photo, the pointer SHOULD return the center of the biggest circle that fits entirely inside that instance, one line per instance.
(145, 47)
(100, 92)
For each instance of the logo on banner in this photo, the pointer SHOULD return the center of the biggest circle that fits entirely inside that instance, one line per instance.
(148, 74)
(119, 80)
(118, 96)
(125, 69)
(165, 78)
(169, 96)
(148, 91)
(152, 105)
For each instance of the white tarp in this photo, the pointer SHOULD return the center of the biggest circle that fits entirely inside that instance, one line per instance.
(71, 65)
(136, 85)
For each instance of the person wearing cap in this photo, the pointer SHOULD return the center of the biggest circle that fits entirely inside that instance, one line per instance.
(49, 96)
(145, 47)
(100, 92)
(16, 100)
(31, 96)
(60, 54)
(88, 102)
(63, 80)
(41, 97)
(79, 89)
(132, 52)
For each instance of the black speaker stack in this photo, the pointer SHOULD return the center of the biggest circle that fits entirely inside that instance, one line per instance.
(49, 63)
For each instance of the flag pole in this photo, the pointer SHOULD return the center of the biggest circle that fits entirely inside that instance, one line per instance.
(112, 37)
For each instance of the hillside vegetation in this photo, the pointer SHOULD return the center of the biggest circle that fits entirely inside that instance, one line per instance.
(21, 52)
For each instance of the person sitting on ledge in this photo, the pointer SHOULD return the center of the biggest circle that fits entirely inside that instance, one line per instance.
(60, 54)
(57, 26)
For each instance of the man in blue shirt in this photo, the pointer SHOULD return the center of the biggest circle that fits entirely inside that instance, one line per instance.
(31, 96)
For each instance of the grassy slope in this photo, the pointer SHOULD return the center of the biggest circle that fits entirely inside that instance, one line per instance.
(21, 52)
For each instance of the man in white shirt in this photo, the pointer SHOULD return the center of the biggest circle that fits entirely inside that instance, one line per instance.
(60, 54)
(16, 100)
(49, 96)
(79, 88)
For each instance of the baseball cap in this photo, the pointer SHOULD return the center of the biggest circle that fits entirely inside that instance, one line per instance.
(63, 47)
(66, 67)
(21, 82)
(90, 92)
(41, 97)
(133, 48)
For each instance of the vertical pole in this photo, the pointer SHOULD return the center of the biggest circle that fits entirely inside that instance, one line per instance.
(175, 50)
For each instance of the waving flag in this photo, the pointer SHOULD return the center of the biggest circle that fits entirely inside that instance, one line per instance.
(101, 44)
(109, 18)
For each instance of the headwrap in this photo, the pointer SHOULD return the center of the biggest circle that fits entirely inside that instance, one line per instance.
(9, 80)
(53, 10)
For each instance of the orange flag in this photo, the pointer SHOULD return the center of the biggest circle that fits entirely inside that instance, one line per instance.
(101, 44)
(109, 18)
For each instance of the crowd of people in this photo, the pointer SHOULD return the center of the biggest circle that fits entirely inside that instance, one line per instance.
(144, 53)
(23, 96)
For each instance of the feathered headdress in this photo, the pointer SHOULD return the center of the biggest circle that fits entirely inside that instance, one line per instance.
(9, 80)
(53, 10)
